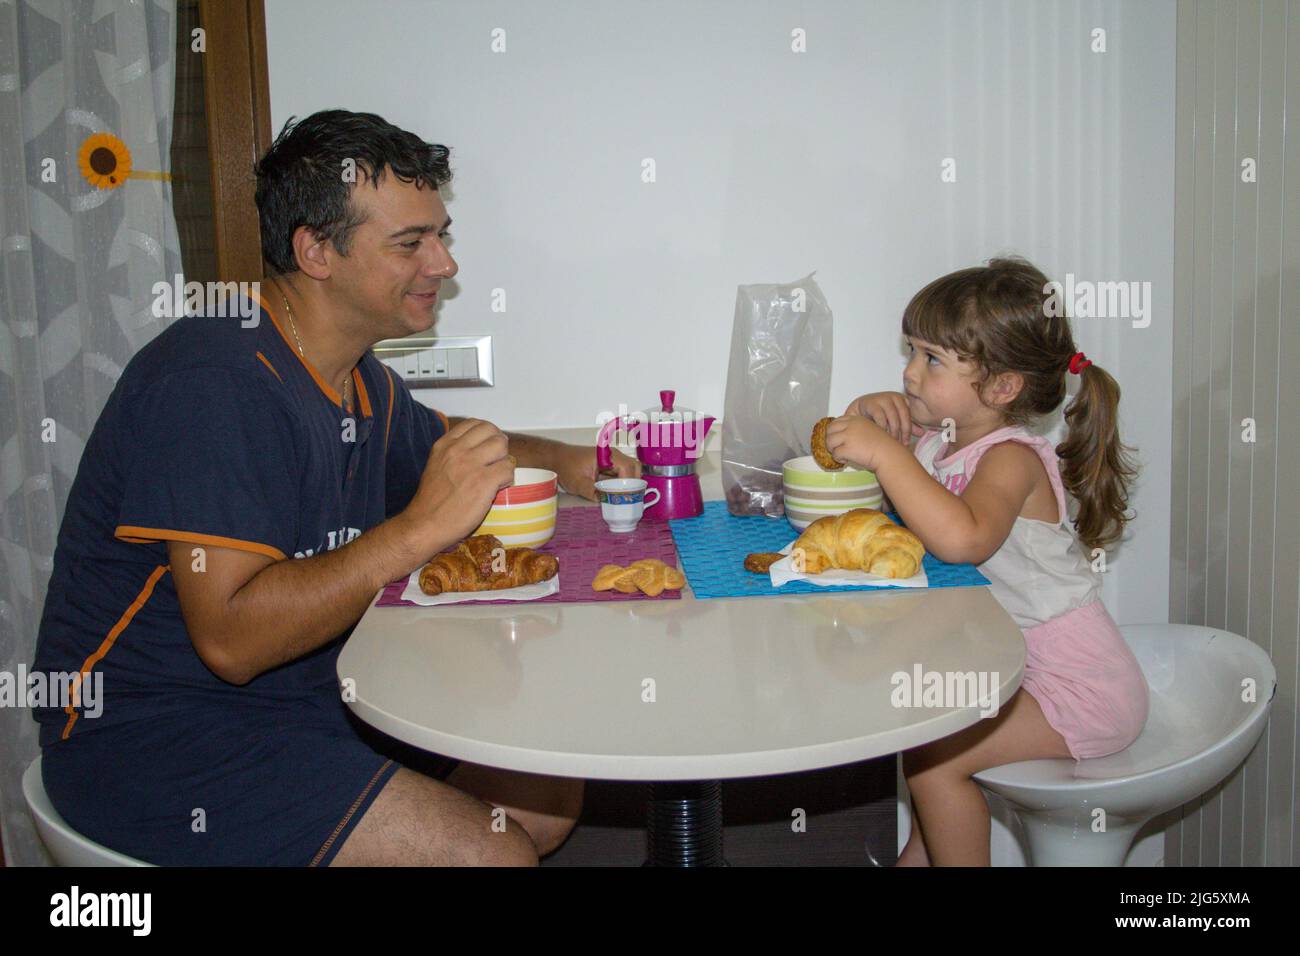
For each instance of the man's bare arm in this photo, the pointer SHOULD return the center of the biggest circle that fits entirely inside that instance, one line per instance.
(247, 614)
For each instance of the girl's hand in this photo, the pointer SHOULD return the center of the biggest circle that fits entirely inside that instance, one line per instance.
(889, 411)
(858, 441)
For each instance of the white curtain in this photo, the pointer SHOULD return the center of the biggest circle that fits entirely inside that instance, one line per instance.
(77, 264)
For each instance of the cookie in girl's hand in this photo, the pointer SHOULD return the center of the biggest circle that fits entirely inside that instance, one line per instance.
(824, 458)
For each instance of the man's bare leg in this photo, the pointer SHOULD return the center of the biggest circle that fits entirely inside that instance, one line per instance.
(546, 807)
(419, 821)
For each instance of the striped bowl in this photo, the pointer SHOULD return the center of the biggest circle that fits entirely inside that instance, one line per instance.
(811, 493)
(523, 515)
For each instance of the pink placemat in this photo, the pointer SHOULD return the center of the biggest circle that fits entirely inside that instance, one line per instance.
(583, 543)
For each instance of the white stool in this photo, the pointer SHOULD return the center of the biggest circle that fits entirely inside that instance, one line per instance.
(1198, 731)
(66, 845)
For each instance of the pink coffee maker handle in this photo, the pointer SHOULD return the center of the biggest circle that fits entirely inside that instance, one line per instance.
(603, 457)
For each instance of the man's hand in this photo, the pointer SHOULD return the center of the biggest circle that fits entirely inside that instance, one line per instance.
(576, 467)
(466, 468)
(888, 410)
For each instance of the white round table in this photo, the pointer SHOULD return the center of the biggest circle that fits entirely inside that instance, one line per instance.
(686, 690)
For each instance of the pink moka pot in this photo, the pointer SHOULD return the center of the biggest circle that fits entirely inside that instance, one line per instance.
(669, 440)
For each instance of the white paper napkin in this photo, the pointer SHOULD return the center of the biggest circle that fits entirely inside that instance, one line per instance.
(782, 572)
(528, 592)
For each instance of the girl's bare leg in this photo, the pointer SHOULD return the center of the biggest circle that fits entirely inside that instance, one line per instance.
(947, 804)
(914, 851)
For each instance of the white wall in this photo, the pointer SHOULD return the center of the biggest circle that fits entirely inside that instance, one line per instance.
(770, 164)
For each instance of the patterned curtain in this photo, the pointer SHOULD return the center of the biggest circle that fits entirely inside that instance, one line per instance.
(86, 229)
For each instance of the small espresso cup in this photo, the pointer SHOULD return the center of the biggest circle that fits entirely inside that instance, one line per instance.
(622, 501)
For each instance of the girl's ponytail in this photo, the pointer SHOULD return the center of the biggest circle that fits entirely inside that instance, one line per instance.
(1095, 467)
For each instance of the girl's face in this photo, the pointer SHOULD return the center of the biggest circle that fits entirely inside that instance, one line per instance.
(939, 385)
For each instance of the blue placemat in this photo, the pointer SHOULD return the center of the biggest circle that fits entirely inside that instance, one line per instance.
(712, 551)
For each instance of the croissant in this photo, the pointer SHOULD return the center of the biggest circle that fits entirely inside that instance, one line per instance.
(863, 539)
(470, 567)
(481, 549)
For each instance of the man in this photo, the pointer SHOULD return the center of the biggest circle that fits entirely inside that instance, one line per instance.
(243, 496)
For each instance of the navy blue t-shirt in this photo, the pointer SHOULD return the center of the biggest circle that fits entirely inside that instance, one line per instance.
(215, 435)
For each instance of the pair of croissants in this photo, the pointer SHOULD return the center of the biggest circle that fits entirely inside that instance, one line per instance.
(482, 563)
(863, 539)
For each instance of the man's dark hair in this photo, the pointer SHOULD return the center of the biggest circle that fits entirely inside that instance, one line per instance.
(303, 178)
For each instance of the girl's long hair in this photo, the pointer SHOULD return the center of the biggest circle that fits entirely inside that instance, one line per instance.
(1007, 317)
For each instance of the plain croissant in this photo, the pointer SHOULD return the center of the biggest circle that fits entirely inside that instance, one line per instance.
(863, 539)
(471, 567)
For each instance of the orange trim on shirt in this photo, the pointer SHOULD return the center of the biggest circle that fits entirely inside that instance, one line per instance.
(332, 395)
(136, 535)
(106, 645)
(363, 397)
(257, 294)
(392, 395)
(267, 363)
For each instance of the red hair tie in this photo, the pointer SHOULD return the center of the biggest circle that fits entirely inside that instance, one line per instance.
(1079, 362)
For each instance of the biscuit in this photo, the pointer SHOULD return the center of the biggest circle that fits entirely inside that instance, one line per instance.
(761, 561)
(606, 577)
(648, 575)
(824, 458)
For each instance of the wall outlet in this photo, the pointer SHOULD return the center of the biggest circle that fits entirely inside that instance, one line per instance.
(423, 361)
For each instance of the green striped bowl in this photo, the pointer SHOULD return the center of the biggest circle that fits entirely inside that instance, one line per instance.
(811, 493)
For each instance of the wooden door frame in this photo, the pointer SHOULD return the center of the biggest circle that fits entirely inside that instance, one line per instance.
(238, 109)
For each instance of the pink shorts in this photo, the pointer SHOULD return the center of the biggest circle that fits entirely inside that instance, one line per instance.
(1086, 680)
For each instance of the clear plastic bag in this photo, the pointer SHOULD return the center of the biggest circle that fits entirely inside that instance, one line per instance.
(778, 386)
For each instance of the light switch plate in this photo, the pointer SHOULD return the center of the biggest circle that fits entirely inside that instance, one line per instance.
(449, 361)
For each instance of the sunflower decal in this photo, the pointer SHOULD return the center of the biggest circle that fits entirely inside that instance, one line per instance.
(105, 161)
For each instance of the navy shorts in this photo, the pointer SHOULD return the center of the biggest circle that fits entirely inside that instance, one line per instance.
(257, 786)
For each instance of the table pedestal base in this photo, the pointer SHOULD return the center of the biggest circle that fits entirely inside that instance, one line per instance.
(684, 824)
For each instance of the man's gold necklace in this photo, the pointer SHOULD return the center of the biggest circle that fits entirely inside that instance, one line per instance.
(294, 328)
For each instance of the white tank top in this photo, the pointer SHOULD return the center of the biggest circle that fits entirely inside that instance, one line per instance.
(1040, 572)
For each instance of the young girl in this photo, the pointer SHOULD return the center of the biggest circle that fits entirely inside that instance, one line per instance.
(989, 354)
